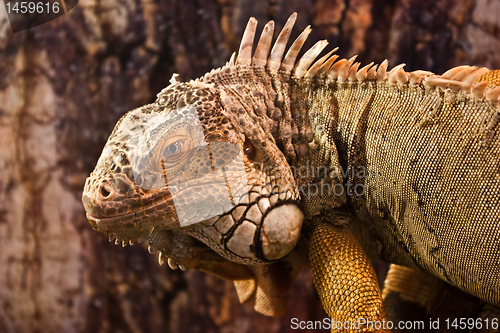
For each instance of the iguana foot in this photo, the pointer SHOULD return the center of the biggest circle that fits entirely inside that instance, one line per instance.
(410, 294)
(415, 300)
(189, 253)
(264, 287)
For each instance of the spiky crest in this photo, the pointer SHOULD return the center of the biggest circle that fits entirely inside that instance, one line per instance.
(461, 78)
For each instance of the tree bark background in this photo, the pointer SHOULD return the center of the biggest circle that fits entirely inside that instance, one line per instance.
(64, 84)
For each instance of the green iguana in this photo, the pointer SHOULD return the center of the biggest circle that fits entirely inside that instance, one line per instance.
(269, 154)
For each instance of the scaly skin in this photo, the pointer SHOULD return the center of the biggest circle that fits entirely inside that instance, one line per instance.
(398, 166)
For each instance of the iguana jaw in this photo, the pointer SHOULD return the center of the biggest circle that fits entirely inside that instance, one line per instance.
(270, 223)
(122, 219)
(159, 211)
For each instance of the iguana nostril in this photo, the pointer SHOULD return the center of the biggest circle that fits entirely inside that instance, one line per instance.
(105, 190)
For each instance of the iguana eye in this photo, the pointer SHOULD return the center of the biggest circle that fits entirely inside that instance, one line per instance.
(174, 148)
(169, 152)
(249, 150)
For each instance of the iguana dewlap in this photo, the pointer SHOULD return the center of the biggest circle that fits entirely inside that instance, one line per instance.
(403, 166)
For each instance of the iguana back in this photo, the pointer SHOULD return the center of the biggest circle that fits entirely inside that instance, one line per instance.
(432, 194)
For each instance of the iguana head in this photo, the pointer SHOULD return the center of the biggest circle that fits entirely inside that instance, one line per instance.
(202, 159)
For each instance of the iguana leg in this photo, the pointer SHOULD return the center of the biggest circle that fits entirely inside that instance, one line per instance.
(344, 277)
(490, 314)
(265, 287)
(413, 296)
(189, 253)
(273, 282)
(410, 294)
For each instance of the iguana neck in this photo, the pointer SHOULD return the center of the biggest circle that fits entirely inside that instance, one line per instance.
(335, 112)
(324, 164)
(331, 174)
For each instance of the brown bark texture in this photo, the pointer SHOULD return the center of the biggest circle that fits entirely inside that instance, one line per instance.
(63, 86)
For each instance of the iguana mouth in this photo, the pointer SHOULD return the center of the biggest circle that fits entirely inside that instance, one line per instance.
(171, 211)
(116, 206)
(138, 219)
(138, 225)
(128, 227)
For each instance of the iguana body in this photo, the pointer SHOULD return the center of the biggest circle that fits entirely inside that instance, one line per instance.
(402, 166)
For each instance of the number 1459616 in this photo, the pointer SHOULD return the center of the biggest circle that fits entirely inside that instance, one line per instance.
(25, 7)
(470, 323)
